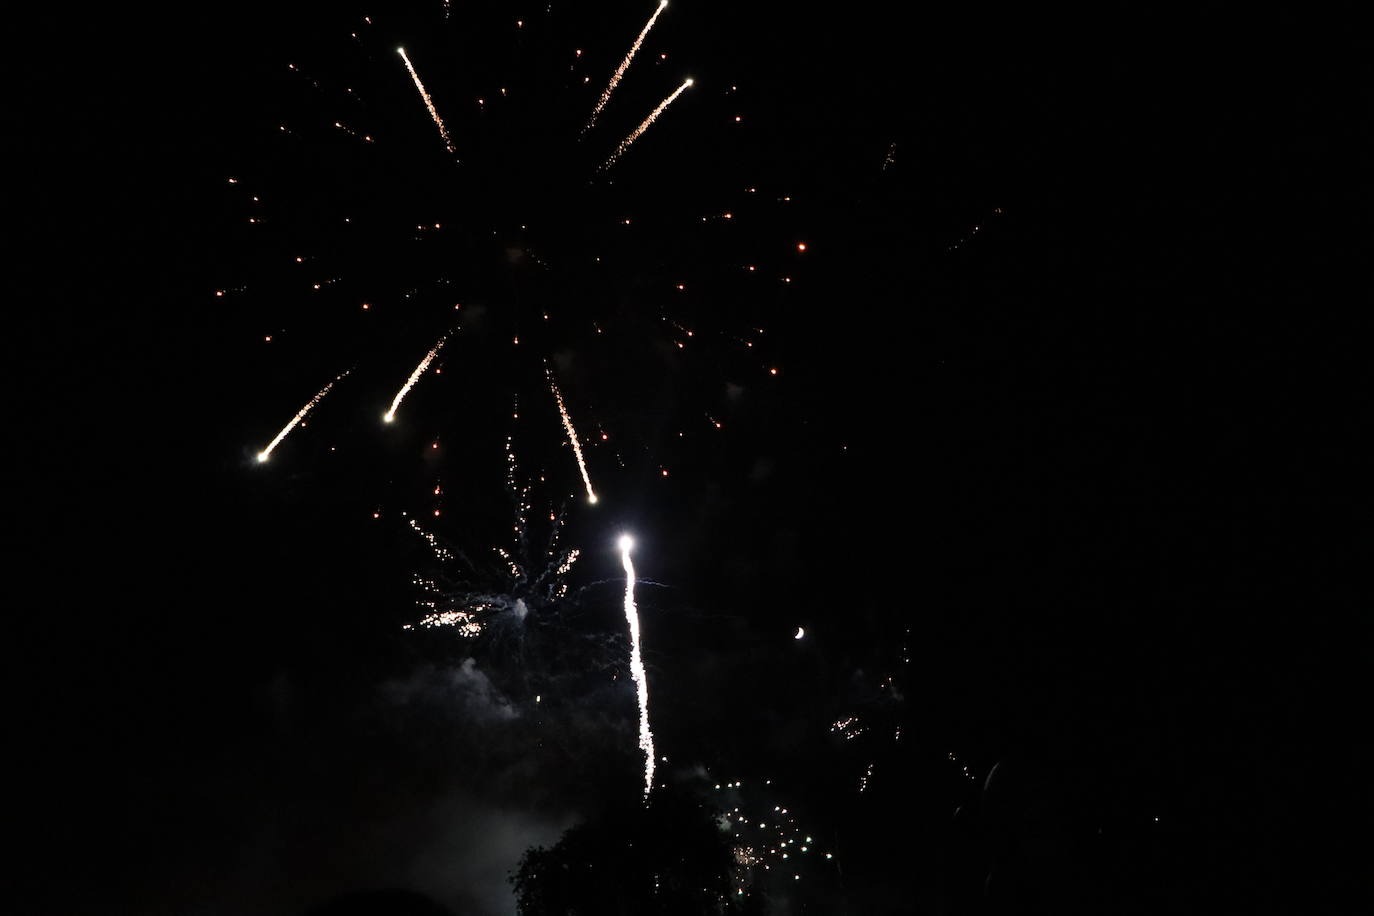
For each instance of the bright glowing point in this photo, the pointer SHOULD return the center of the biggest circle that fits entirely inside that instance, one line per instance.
(414, 377)
(300, 415)
(800, 633)
(653, 116)
(572, 437)
(429, 103)
(646, 737)
(624, 65)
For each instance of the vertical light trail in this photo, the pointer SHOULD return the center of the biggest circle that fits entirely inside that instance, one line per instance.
(624, 65)
(653, 116)
(646, 737)
(572, 437)
(414, 377)
(265, 453)
(429, 103)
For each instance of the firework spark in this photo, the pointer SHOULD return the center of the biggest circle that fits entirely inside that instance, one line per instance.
(624, 65)
(646, 737)
(653, 116)
(414, 377)
(265, 453)
(572, 437)
(429, 103)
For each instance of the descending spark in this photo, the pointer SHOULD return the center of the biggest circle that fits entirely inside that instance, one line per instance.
(624, 65)
(263, 455)
(429, 103)
(414, 377)
(653, 116)
(646, 737)
(572, 436)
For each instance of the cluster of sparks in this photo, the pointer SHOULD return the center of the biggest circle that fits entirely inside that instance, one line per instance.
(767, 841)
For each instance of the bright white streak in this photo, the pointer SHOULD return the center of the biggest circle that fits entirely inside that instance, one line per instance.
(624, 65)
(653, 116)
(646, 737)
(414, 377)
(263, 455)
(572, 436)
(429, 103)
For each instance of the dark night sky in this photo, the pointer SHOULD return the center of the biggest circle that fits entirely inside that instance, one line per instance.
(1101, 464)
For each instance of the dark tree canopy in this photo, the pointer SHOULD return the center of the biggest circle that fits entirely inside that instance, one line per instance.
(668, 857)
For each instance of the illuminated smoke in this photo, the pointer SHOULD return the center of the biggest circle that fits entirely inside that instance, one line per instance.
(429, 103)
(263, 455)
(572, 436)
(414, 377)
(624, 65)
(646, 737)
(653, 116)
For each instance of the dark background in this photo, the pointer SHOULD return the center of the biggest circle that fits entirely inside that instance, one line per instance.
(1101, 476)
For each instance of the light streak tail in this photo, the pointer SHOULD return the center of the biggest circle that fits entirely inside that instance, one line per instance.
(653, 116)
(624, 65)
(572, 437)
(414, 377)
(300, 415)
(646, 737)
(429, 103)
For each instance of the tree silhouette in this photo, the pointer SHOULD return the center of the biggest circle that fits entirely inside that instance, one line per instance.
(669, 857)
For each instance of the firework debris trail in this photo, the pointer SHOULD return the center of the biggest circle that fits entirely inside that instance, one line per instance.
(624, 65)
(414, 377)
(429, 103)
(265, 453)
(572, 437)
(646, 737)
(653, 116)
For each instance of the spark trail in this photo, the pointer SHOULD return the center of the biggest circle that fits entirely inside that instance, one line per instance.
(646, 737)
(265, 453)
(429, 103)
(414, 377)
(653, 116)
(572, 437)
(624, 65)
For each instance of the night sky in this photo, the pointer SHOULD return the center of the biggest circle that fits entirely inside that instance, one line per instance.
(1020, 359)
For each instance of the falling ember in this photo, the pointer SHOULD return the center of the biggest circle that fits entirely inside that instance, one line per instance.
(414, 377)
(653, 116)
(263, 455)
(624, 65)
(572, 437)
(646, 737)
(429, 103)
